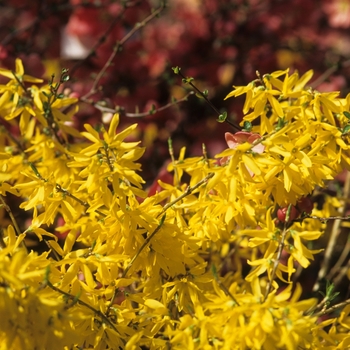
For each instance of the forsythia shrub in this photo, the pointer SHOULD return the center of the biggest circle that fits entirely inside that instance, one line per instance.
(206, 263)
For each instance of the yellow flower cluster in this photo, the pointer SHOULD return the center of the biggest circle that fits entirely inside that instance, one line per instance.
(195, 266)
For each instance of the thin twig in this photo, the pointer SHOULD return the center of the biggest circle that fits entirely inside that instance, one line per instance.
(117, 48)
(227, 292)
(19, 82)
(260, 79)
(83, 203)
(145, 243)
(13, 34)
(53, 126)
(321, 305)
(110, 166)
(278, 257)
(121, 111)
(330, 71)
(9, 212)
(333, 239)
(64, 191)
(13, 139)
(336, 268)
(99, 42)
(14, 222)
(341, 273)
(332, 308)
(205, 155)
(230, 253)
(207, 100)
(49, 10)
(81, 302)
(222, 286)
(172, 157)
(325, 219)
(52, 250)
(187, 192)
(2, 242)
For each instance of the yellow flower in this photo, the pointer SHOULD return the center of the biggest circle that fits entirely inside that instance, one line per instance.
(19, 73)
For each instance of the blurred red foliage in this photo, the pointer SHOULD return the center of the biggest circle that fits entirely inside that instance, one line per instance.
(218, 42)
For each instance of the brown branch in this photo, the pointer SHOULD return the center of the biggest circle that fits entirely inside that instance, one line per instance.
(120, 110)
(13, 139)
(18, 31)
(206, 99)
(9, 212)
(145, 243)
(83, 203)
(58, 258)
(225, 289)
(43, 14)
(2, 242)
(99, 42)
(336, 269)
(172, 157)
(333, 238)
(81, 302)
(330, 71)
(117, 48)
(332, 308)
(14, 222)
(187, 192)
(260, 79)
(341, 273)
(278, 257)
(344, 218)
(110, 165)
(65, 192)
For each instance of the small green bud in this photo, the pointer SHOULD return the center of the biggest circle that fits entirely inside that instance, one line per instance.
(247, 126)
(222, 117)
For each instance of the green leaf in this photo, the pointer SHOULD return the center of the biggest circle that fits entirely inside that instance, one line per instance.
(35, 170)
(346, 129)
(347, 114)
(47, 274)
(281, 123)
(152, 110)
